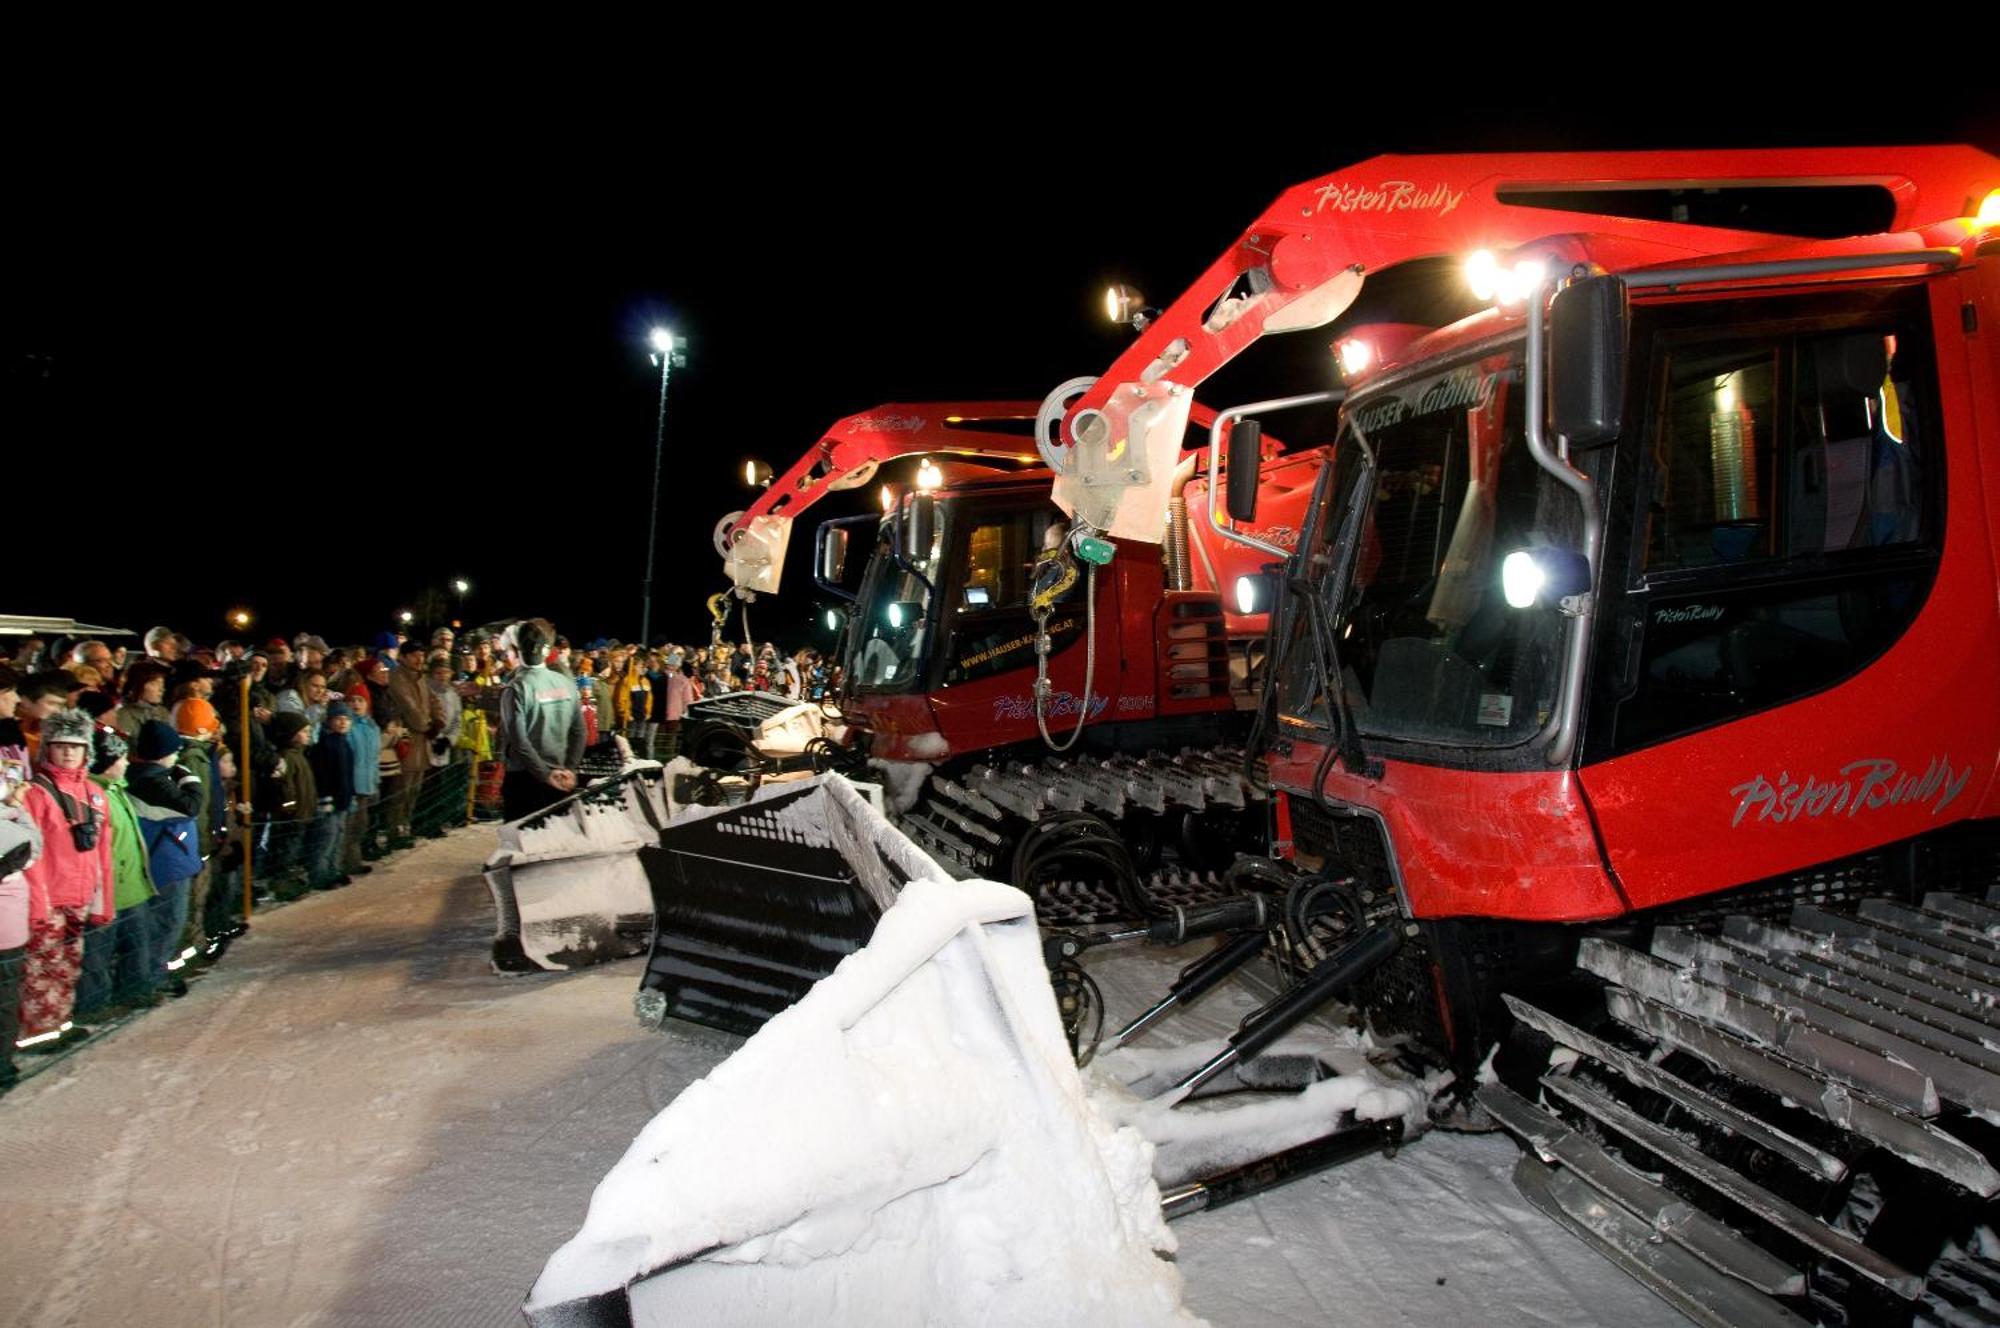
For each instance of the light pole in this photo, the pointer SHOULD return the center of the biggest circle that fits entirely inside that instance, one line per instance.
(460, 587)
(668, 352)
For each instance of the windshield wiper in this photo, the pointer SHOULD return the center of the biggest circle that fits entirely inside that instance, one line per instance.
(1326, 646)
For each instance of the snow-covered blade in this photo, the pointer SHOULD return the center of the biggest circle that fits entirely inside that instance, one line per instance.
(574, 872)
(756, 902)
(944, 1167)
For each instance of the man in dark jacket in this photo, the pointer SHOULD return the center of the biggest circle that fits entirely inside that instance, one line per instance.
(413, 704)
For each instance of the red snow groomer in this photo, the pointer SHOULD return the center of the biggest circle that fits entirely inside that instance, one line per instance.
(1634, 703)
(996, 663)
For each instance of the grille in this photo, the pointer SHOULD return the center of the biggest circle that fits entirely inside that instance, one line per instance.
(1348, 845)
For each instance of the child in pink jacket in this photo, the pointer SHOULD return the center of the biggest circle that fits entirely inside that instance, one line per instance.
(72, 881)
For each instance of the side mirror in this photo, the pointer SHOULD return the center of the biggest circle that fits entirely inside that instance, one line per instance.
(832, 554)
(919, 527)
(1246, 454)
(1589, 328)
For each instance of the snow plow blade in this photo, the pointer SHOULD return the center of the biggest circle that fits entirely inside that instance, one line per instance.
(909, 1143)
(756, 902)
(572, 871)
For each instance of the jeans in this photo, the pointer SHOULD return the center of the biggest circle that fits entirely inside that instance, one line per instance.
(166, 924)
(356, 833)
(323, 834)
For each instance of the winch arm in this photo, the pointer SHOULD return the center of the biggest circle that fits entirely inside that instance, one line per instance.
(752, 542)
(1303, 262)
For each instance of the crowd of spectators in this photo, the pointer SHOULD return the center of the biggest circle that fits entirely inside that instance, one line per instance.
(128, 827)
(643, 693)
(127, 824)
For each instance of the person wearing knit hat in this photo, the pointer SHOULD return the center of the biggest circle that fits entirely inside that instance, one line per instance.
(200, 729)
(70, 885)
(196, 718)
(332, 758)
(287, 798)
(20, 845)
(121, 962)
(157, 741)
(365, 737)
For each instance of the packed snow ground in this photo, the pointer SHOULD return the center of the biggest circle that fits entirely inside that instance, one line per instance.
(353, 1122)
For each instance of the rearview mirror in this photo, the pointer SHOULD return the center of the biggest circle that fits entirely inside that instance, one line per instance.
(919, 527)
(1588, 337)
(1246, 454)
(832, 554)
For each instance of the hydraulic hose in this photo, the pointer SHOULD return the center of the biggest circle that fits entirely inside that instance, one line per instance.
(1086, 845)
(1089, 668)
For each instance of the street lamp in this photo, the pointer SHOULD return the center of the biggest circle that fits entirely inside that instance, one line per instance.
(460, 587)
(669, 352)
(406, 617)
(240, 619)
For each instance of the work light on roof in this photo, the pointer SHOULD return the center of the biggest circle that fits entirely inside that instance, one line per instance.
(1490, 279)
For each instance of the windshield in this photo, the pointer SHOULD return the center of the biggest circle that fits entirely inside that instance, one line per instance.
(893, 614)
(1429, 650)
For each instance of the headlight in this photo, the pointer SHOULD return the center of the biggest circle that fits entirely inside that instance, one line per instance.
(1543, 575)
(1254, 594)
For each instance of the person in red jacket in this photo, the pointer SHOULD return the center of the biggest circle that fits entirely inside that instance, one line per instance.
(70, 885)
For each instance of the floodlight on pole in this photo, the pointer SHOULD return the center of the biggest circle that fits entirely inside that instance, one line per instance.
(669, 352)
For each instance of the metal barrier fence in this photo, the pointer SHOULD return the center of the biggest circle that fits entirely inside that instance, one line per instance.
(137, 959)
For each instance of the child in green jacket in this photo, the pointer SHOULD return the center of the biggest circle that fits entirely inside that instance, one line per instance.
(119, 968)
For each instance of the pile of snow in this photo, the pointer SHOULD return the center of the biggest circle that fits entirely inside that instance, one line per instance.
(1198, 1138)
(1209, 1137)
(903, 781)
(910, 1143)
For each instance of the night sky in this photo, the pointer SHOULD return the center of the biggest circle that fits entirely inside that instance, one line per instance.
(315, 362)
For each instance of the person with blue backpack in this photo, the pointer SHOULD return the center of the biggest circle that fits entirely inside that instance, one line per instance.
(167, 800)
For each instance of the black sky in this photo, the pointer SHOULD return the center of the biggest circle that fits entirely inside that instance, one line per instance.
(316, 359)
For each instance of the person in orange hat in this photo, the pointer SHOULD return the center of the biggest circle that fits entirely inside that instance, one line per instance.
(202, 751)
(195, 719)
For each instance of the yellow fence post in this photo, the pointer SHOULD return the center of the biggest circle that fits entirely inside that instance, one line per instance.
(245, 782)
